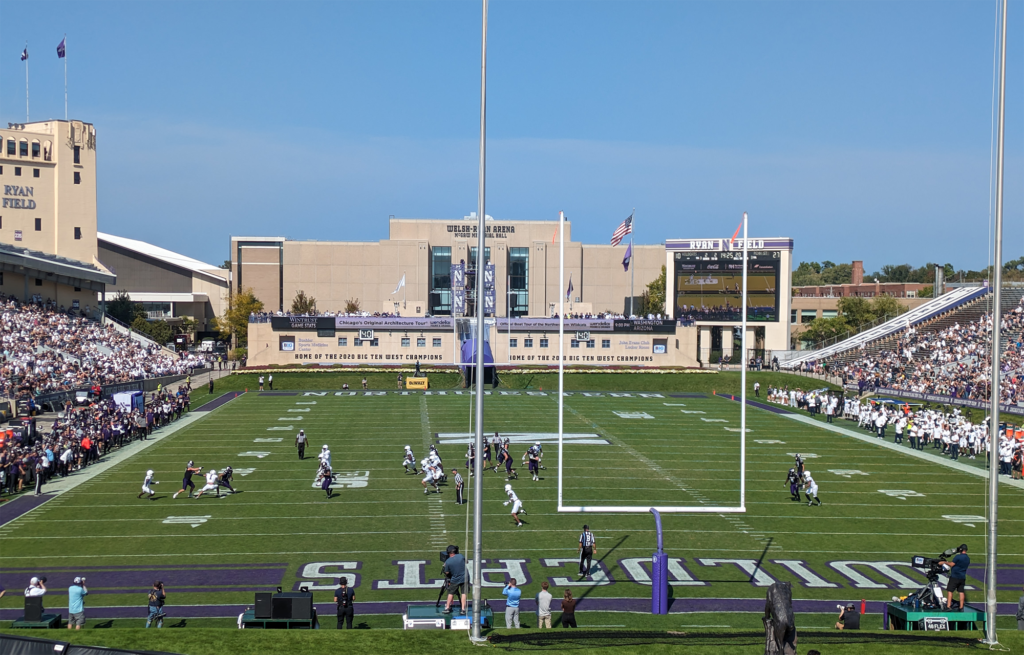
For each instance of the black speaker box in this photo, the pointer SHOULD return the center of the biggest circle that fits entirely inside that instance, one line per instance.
(33, 608)
(281, 607)
(293, 605)
(264, 605)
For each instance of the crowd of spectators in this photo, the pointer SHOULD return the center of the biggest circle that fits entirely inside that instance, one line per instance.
(81, 436)
(953, 361)
(46, 350)
(946, 430)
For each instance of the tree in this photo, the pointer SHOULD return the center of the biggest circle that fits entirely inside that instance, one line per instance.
(653, 300)
(882, 306)
(927, 292)
(187, 325)
(123, 308)
(837, 274)
(303, 304)
(352, 306)
(821, 329)
(235, 320)
(856, 311)
(807, 274)
(226, 265)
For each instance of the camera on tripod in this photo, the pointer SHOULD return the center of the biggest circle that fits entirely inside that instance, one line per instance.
(930, 596)
(448, 552)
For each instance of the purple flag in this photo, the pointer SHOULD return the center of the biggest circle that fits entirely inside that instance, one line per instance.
(628, 258)
(24, 54)
(568, 292)
(60, 48)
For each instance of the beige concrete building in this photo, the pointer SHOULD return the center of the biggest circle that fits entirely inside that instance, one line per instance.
(48, 241)
(170, 286)
(422, 252)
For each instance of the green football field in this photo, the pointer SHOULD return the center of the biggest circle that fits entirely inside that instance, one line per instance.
(622, 448)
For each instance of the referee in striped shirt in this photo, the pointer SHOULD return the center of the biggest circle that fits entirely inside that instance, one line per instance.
(586, 551)
(458, 487)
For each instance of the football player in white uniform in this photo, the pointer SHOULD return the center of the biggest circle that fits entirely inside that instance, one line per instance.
(410, 460)
(325, 456)
(517, 505)
(145, 484)
(428, 477)
(211, 484)
(811, 489)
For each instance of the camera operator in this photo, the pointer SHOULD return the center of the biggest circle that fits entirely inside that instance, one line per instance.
(344, 597)
(849, 618)
(957, 576)
(76, 603)
(455, 570)
(157, 598)
(36, 587)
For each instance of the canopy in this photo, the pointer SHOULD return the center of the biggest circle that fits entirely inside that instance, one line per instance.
(129, 400)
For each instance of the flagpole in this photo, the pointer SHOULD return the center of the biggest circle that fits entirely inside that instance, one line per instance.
(26, 82)
(632, 264)
(65, 58)
(991, 606)
(478, 496)
(405, 290)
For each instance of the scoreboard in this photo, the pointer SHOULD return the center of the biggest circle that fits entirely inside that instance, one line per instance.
(709, 284)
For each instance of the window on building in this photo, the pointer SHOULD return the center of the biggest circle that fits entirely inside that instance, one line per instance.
(808, 315)
(437, 342)
(78, 154)
(78, 289)
(513, 343)
(405, 342)
(17, 171)
(11, 148)
(518, 271)
(356, 341)
(39, 225)
(78, 233)
(35, 148)
(421, 342)
(39, 282)
(591, 344)
(342, 341)
(792, 316)
(35, 172)
(375, 342)
(606, 343)
(1, 222)
(573, 343)
(543, 343)
(1, 170)
(78, 177)
(23, 148)
(1, 278)
(829, 313)
(527, 343)
(441, 281)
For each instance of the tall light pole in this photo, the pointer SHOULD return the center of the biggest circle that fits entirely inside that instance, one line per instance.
(997, 296)
(481, 264)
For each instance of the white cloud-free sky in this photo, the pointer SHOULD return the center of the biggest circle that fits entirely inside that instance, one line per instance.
(861, 129)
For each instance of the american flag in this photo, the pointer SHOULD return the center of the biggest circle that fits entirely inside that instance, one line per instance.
(622, 230)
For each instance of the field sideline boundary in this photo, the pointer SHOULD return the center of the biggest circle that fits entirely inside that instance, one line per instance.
(26, 503)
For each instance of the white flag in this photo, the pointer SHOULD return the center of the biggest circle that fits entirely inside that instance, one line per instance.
(401, 284)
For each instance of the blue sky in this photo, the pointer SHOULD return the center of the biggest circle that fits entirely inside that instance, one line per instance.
(861, 129)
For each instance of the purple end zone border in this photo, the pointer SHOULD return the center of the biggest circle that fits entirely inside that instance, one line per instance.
(638, 605)
(279, 393)
(687, 395)
(20, 505)
(753, 403)
(218, 402)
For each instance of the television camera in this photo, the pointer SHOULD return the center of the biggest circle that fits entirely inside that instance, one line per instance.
(930, 595)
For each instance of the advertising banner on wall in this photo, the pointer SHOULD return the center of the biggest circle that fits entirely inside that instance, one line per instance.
(458, 277)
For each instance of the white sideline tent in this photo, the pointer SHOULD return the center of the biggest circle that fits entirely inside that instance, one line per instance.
(129, 400)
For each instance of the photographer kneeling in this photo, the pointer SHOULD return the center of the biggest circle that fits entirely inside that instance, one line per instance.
(849, 618)
(455, 570)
